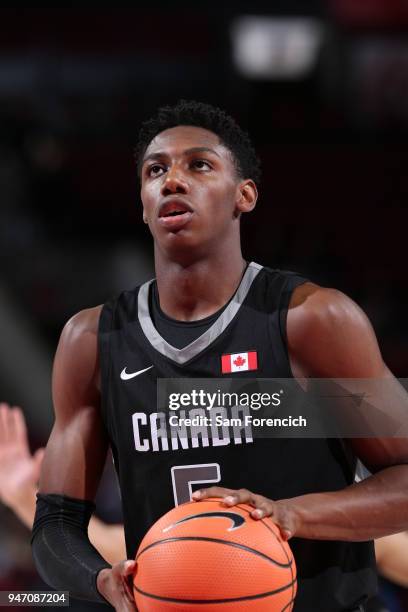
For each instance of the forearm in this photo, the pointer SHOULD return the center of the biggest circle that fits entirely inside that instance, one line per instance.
(370, 509)
(62, 552)
(109, 540)
(392, 558)
(22, 503)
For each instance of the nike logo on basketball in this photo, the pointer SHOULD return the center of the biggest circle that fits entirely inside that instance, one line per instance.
(237, 519)
(125, 376)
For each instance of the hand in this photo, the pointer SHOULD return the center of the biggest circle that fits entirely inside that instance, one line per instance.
(19, 470)
(283, 512)
(116, 585)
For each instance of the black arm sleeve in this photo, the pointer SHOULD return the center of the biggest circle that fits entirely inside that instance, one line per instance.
(63, 554)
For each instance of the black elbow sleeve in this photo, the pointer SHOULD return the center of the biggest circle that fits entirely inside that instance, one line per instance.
(63, 554)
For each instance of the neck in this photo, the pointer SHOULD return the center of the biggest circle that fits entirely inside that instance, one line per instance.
(197, 289)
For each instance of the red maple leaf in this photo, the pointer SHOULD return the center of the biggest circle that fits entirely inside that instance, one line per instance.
(239, 361)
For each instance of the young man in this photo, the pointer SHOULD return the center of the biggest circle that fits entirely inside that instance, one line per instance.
(198, 176)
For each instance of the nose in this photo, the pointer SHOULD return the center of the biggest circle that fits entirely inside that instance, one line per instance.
(174, 182)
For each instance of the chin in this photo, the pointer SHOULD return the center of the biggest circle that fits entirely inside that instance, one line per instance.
(183, 246)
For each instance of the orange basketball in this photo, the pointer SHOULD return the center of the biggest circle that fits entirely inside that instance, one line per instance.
(207, 557)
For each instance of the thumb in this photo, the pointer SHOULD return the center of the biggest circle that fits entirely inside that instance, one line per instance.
(128, 572)
(286, 534)
(129, 568)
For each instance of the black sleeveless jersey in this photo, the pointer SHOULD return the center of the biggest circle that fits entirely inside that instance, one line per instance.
(156, 470)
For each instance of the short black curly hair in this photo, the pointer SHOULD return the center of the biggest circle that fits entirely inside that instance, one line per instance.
(190, 112)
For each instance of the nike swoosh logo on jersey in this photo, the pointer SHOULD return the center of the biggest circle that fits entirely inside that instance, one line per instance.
(125, 376)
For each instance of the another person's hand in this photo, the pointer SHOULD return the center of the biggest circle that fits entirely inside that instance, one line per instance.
(115, 585)
(19, 469)
(282, 512)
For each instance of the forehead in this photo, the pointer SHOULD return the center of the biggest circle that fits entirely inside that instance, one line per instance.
(175, 140)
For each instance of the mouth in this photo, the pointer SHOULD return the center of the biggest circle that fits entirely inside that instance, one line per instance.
(174, 208)
(175, 214)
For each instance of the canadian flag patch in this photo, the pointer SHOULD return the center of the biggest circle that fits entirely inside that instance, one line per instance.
(239, 362)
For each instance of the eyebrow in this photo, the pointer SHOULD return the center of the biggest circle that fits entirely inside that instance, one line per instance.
(160, 154)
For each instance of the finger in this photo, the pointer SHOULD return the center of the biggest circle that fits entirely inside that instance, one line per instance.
(286, 534)
(128, 591)
(284, 518)
(241, 496)
(129, 568)
(122, 573)
(20, 428)
(123, 569)
(211, 492)
(263, 507)
(14, 428)
(11, 426)
(4, 409)
(120, 569)
(130, 606)
(126, 605)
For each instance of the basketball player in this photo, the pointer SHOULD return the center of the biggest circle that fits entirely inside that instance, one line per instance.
(198, 177)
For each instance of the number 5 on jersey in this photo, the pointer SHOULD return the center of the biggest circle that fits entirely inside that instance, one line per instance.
(184, 476)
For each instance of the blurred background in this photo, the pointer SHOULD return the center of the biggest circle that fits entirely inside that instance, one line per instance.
(321, 86)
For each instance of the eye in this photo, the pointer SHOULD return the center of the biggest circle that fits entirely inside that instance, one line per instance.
(201, 164)
(155, 170)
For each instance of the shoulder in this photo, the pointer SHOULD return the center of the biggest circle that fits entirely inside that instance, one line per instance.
(76, 361)
(330, 335)
(312, 305)
(83, 324)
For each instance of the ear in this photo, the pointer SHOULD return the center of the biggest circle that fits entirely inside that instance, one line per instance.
(247, 195)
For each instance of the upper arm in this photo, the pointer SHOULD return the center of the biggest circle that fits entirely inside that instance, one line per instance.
(329, 336)
(77, 447)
